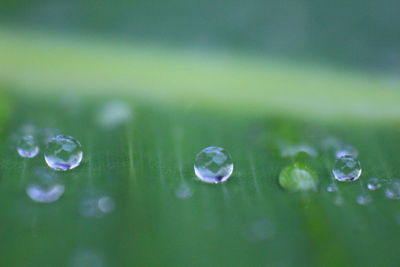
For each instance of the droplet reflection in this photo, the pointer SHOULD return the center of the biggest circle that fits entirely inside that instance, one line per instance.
(44, 186)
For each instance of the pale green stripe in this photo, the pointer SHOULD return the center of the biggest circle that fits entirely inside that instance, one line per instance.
(234, 83)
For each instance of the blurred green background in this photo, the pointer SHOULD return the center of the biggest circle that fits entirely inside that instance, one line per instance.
(145, 85)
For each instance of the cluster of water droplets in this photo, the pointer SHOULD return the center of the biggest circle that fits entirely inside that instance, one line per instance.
(61, 152)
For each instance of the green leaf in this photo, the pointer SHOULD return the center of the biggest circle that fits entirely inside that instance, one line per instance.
(179, 106)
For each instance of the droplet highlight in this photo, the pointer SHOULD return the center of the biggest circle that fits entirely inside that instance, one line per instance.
(63, 153)
(346, 169)
(213, 165)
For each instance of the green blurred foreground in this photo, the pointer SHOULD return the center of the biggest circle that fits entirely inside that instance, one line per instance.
(163, 215)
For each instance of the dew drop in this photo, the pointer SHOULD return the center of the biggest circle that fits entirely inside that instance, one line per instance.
(28, 147)
(44, 186)
(346, 169)
(63, 153)
(213, 165)
(298, 177)
(332, 188)
(374, 184)
(364, 199)
(392, 190)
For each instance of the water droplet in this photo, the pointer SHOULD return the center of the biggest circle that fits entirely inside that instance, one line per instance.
(114, 114)
(28, 147)
(44, 186)
(392, 190)
(346, 169)
(364, 199)
(374, 183)
(184, 191)
(332, 187)
(298, 177)
(63, 153)
(346, 150)
(213, 165)
(95, 205)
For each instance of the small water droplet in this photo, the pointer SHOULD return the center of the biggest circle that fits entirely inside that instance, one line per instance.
(346, 169)
(374, 184)
(392, 189)
(28, 147)
(63, 153)
(298, 177)
(332, 187)
(44, 186)
(114, 114)
(364, 199)
(184, 191)
(213, 165)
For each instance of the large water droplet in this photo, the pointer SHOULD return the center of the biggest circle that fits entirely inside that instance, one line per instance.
(44, 186)
(374, 183)
(28, 147)
(298, 177)
(392, 189)
(346, 169)
(213, 165)
(63, 153)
